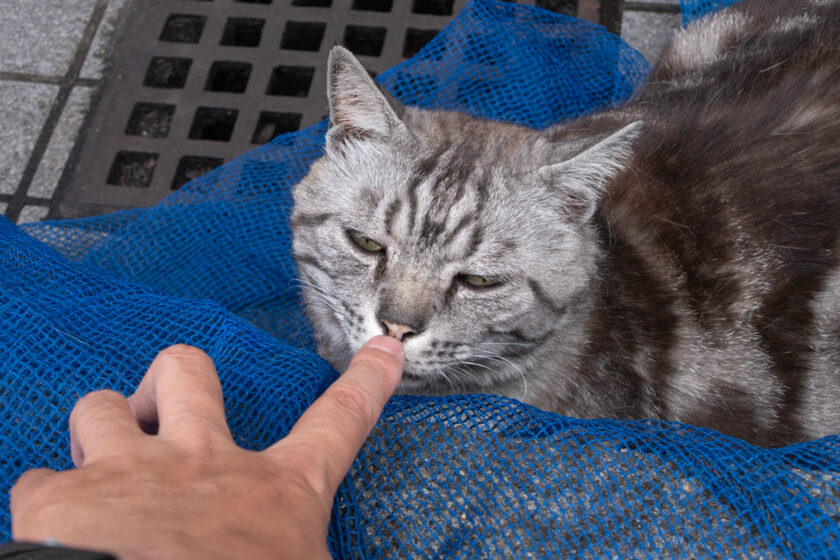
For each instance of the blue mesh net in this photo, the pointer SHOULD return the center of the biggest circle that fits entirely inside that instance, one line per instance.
(694, 9)
(86, 304)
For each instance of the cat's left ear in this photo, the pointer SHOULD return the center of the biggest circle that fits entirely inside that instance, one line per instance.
(359, 108)
(580, 181)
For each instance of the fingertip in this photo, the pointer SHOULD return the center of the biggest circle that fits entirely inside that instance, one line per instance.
(387, 344)
(89, 407)
(100, 422)
(388, 352)
(184, 356)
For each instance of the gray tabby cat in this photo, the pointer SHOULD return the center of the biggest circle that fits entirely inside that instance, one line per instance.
(675, 258)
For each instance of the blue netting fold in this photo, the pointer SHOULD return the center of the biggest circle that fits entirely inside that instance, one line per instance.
(694, 9)
(85, 304)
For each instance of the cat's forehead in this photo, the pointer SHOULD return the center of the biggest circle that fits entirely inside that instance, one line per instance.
(448, 160)
(465, 221)
(469, 140)
(455, 189)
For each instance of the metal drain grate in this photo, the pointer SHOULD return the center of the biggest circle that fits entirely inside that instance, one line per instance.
(196, 83)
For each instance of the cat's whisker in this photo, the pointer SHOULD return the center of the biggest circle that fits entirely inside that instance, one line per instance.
(521, 373)
(313, 286)
(321, 295)
(510, 365)
(326, 303)
(442, 373)
(473, 378)
(504, 344)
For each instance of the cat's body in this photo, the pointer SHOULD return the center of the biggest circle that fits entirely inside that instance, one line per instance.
(673, 258)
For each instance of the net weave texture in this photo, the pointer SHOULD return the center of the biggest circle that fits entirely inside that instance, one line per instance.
(694, 9)
(86, 304)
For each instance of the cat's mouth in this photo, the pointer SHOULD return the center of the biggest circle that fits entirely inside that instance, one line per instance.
(443, 378)
(417, 377)
(426, 381)
(423, 384)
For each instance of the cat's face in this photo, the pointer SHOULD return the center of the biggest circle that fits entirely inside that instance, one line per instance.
(441, 229)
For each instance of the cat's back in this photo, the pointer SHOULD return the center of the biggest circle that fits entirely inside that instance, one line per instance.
(759, 70)
(753, 32)
(743, 119)
(733, 204)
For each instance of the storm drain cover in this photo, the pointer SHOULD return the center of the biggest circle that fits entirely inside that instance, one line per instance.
(195, 83)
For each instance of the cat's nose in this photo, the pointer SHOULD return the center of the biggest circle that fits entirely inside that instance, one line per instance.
(400, 332)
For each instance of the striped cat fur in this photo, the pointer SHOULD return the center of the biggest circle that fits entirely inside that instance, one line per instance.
(675, 257)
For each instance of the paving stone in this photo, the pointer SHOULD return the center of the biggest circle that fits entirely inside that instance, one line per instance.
(23, 110)
(102, 46)
(32, 214)
(41, 36)
(649, 32)
(61, 143)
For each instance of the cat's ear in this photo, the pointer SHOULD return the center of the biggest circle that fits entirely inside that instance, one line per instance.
(580, 181)
(359, 108)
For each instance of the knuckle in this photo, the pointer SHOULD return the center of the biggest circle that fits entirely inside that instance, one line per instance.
(30, 487)
(301, 482)
(200, 446)
(17, 493)
(96, 398)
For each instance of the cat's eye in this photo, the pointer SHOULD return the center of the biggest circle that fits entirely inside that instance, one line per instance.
(477, 281)
(365, 242)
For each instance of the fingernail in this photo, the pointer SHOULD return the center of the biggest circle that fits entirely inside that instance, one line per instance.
(386, 344)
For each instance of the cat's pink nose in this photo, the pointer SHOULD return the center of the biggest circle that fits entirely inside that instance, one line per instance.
(397, 331)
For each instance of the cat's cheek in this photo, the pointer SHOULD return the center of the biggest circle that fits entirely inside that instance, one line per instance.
(366, 329)
(414, 353)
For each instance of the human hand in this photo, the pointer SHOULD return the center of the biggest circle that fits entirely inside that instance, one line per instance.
(189, 491)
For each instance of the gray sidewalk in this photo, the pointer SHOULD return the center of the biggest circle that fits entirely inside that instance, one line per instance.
(52, 58)
(53, 55)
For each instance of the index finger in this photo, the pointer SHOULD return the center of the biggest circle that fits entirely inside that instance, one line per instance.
(328, 436)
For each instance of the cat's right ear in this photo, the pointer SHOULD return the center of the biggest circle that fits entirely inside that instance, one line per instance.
(581, 179)
(359, 108)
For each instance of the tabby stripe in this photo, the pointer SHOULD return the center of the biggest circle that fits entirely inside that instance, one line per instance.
(430, 230)
(459, 193)
(390, 214)
(311, 261)
(442, 182)
(517, 335)
(465, 221)
(379, 271)
(453, 177)
(422, 171)
(310, 220)
(533, 344)
(482, 187)
(466, 163)
(370, 198)
(477, 238)
(543, 298)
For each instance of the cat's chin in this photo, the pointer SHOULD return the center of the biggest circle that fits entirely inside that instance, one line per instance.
(424, 386)
(436, 383)
(423, 383)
